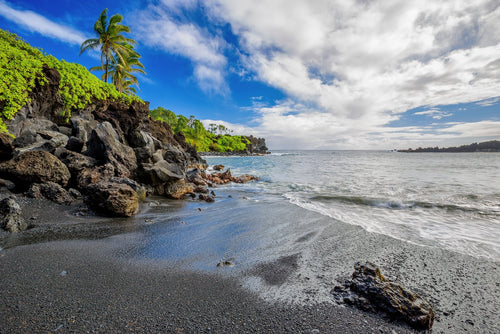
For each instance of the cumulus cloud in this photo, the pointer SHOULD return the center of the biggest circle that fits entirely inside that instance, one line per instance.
(163, 26)
(40, 24)
(349, 68)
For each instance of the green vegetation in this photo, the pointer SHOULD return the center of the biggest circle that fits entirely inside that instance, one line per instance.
(196, 134)
(118, 57)
(21, 67)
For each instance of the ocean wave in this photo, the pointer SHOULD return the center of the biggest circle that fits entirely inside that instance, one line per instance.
(400, 205)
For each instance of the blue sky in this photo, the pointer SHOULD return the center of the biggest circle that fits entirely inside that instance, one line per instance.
(308, 74)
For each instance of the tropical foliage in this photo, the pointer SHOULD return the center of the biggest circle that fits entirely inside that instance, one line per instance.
(197, 135)
(121, 72)
(21, 67)
(119, 59)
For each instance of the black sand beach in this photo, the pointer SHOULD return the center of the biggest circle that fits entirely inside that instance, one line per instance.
(108, 279)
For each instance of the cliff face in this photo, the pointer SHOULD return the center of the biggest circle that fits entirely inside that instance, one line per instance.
(257, 145)
(113, 151)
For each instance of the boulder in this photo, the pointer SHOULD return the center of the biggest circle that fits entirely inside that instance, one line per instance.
(161, 172)
(76, 162)
(25, 129)
(93, 175)
(66, 130)
(56, 138)
(116, 199)
(10, 216)
(7, 184)
(219, 167)
(104, 145)
(206, 198)
(75, 144)
(35, 167)
(143, 144)
(157, 156)
(369, 290)
(26, 138)
(244, 178)
(6, 146)
(201, 190)
(176, 154)
(51, 191)
(178, 189)
(82, 128)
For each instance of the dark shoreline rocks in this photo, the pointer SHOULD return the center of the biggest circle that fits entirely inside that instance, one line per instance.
(53, 158)
(370, 291)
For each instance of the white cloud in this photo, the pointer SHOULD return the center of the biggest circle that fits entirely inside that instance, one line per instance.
(159, 27)
(435, 113)
(488, 102)
(351, 67)
(40, 24)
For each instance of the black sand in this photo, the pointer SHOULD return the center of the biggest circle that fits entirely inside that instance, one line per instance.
(155, 274)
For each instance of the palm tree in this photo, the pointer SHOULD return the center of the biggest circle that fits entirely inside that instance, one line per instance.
(121, 69)
(110, 40)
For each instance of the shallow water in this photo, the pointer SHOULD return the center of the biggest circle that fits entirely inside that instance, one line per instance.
(445, 200)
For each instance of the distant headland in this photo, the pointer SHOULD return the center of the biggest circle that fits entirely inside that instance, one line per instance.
(487, 146)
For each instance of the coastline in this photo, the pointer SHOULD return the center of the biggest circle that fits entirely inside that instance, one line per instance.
(131, 274)
(232, 154)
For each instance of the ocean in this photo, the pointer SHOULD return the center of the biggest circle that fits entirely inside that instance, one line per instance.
(443, 200)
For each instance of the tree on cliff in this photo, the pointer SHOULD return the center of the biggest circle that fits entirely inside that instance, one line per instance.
(121, 71)
(110, 41)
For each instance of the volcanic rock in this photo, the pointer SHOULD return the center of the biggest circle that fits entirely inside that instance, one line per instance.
(370, 291)
(35, 167)
(10, 216)
(116, 199)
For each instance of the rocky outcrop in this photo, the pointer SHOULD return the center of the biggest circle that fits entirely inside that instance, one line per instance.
(226, 177)
(35, 167)
(105, 145)
(10, 216)
(108, 152)
(257, 145)
(370, 291)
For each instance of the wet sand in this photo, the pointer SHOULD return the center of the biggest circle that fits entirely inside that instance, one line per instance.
(157, 272)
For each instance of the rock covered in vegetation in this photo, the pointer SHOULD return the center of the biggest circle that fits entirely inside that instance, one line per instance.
(257, 145)
(35, 167)
(10, 216)
(369, 290)
(105, 141)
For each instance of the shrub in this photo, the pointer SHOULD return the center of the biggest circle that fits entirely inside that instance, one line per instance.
(21, 68)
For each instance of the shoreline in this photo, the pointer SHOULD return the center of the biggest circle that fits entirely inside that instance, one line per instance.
(87, 280)
(231, 154)
(157, 271)
(80, 287)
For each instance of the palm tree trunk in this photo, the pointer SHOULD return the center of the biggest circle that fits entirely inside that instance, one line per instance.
(106, 70)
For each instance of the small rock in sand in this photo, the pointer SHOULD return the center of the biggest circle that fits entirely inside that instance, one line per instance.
(226, 263)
